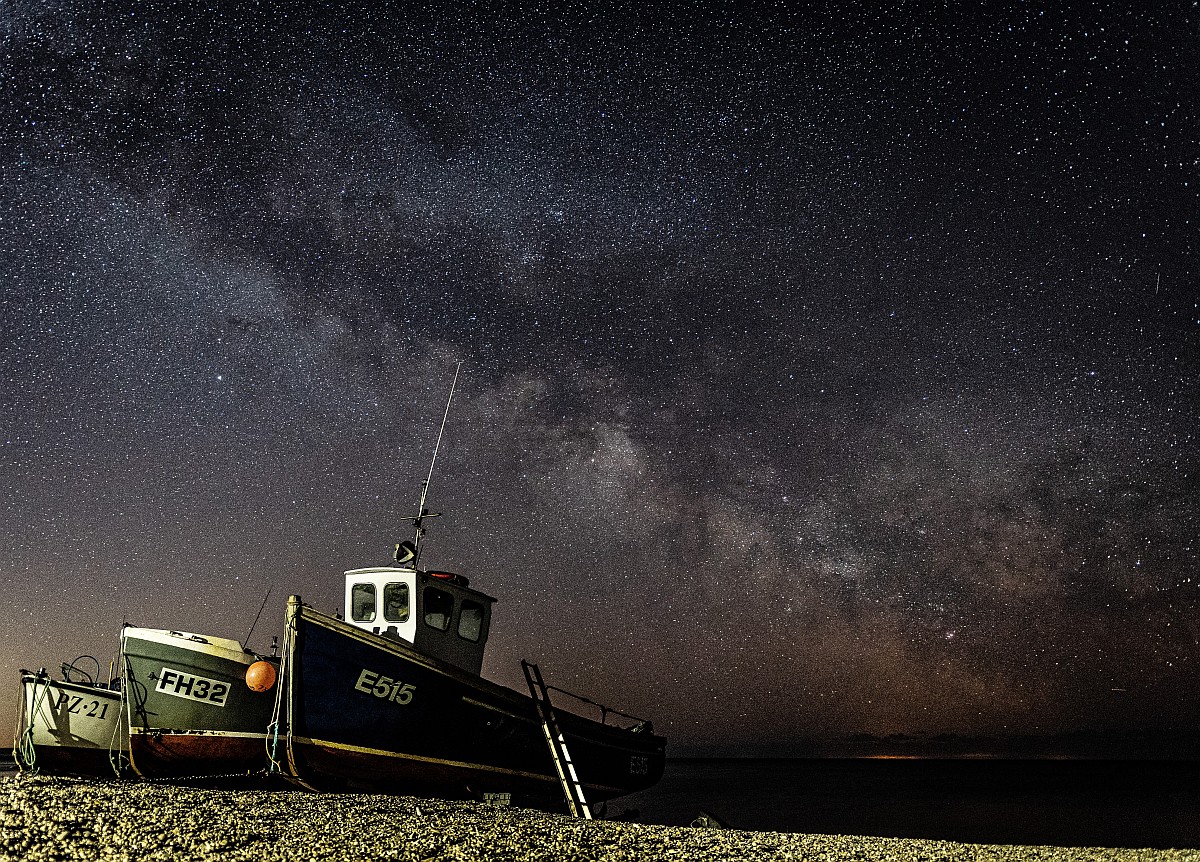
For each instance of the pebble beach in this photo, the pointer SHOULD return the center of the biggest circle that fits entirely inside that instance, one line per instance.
(43, 817)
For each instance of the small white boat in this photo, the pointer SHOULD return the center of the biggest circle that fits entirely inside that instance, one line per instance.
(72, 726)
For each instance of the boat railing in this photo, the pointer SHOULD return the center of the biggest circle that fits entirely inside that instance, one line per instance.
(640, 724)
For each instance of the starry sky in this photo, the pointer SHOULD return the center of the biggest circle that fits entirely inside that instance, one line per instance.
(827, 370)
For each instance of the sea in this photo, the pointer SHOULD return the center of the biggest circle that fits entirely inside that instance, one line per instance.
(1063, 803)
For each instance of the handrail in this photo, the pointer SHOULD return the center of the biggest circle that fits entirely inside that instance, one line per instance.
(604, 710)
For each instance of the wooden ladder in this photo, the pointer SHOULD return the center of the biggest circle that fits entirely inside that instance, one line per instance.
(572, 789)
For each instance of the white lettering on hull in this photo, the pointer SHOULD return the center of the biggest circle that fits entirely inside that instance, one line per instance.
(384, 687)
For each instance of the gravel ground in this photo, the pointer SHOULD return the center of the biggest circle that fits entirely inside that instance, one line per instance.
(45, 817)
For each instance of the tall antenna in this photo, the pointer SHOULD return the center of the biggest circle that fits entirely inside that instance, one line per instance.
(257, 615)
(404, 553)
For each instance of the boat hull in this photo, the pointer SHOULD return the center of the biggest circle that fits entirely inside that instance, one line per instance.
(191, 713)
(366, 713)
(69, 728)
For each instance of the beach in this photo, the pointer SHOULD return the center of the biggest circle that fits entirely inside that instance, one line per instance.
(43, 817)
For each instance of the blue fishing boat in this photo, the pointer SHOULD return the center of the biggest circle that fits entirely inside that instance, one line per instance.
(389, 699)
(364, 708)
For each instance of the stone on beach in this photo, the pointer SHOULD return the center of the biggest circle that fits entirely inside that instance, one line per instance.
(44, 818)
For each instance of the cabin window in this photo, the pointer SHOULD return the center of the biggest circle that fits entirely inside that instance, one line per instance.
(439, 605)
(470, 621)
(362, 603)
(395, 603)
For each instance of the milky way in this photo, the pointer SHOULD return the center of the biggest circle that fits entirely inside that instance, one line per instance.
(824, 374)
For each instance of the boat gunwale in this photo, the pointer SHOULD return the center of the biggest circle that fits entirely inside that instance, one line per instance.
(188, 641)
(32, 677)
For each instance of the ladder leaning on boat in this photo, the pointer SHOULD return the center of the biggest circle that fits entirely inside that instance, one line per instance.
(557, 743)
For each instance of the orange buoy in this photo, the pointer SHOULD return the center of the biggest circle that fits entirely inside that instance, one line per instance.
(260, 676)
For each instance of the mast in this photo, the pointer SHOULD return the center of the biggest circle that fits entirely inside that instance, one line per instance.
(406, 551)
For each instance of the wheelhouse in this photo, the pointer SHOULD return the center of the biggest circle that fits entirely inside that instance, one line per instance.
(435, 612)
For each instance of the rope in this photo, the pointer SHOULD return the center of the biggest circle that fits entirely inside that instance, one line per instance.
(272, 740)
(200, 779)
(135, 694)
(24, 752)
(118, 759)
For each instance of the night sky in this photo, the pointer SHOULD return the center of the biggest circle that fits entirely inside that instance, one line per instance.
(825, 372)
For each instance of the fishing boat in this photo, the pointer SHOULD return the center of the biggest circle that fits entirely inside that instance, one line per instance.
(389, 699)
(71, 726)
(198, 705)
(368, 709)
